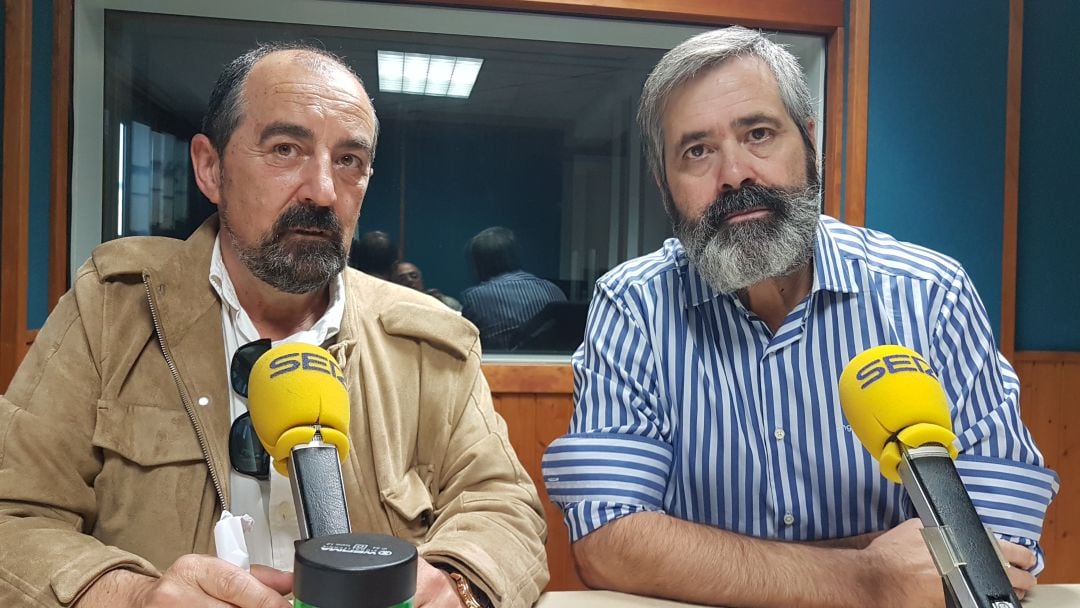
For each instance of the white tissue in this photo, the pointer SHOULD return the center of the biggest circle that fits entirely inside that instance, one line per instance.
(230, 541)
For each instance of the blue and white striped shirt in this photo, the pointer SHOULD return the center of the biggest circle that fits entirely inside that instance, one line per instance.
(687, 403)
(503, 304)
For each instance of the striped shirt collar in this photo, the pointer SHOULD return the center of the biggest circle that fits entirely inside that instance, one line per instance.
(832, 272)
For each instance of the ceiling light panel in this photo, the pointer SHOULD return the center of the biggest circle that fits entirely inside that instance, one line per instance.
(423, 74)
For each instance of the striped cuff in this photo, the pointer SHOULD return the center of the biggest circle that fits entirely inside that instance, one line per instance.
(1011, 497)
(597, 478)
(1040, 558)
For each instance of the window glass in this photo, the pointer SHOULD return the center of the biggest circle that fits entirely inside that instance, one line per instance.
(507, 196)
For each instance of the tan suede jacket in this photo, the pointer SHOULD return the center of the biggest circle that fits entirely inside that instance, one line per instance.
(114, 432)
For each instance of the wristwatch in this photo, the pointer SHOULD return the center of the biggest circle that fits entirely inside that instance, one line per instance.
(469, 597)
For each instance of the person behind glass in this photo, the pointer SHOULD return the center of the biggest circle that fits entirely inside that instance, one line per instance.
(115, 446)
(409, 275)
(707, 459)
(374, 253)
(507, 296)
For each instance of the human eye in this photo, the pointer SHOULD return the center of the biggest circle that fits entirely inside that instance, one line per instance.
(353, 162)
(285, 149)
(695, 151)
(760, 134)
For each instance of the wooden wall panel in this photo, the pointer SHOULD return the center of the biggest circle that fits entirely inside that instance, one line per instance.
(797, 15)
(1049, 384)
(60, 184)
(858, 81)
(15, 213)
(534, 419)
(832, 167)
(1011, 203)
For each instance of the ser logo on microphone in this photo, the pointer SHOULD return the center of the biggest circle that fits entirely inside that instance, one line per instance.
(291, 362)
(892, 364)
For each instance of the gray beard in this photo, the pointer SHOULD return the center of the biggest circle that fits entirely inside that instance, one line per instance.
(297, 268)
(734, 257)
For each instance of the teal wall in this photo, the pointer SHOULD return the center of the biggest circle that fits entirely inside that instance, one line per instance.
(1048, 250)
(936, 130)
(41, 169)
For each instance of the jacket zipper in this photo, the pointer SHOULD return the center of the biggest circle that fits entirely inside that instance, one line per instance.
(184, 397)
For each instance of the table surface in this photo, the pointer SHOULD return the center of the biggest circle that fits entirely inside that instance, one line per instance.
(1044, 596)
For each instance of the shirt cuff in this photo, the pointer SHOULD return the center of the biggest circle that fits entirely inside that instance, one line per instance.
(1040, 558)
(1010, 497)
(598, 477)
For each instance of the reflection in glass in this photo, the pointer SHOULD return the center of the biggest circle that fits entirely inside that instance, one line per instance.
(542, 142)
(507, 297)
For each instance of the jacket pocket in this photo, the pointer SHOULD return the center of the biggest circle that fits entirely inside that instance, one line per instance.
(153, 484)
(411, 511)
(146, 435)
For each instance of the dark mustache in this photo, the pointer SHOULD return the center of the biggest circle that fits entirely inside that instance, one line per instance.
(308, 216)
(744, 199)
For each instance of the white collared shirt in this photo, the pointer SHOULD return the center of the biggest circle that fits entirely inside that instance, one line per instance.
(249, 495)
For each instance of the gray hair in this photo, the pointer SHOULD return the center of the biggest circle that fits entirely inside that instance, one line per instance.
(684, 62)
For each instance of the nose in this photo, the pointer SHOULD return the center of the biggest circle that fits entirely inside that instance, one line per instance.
(736, 169)
(318, 186)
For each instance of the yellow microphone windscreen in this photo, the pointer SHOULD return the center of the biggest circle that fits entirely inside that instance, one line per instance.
(294, 387)
(890, 394)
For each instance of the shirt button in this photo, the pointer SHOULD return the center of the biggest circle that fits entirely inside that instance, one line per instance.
(789, 519)
(779, 434)
(204, 401)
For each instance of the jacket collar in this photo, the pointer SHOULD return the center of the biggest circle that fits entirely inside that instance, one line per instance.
(182, 281)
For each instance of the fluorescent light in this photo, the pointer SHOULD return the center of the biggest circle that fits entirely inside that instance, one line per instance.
(415, 80)
(440, 71)
(423, 74)
(465, 72)
(391, 65)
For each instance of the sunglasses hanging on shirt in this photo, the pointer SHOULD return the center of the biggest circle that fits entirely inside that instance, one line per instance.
(246, 453)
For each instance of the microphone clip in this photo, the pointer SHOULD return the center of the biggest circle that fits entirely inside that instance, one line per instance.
(318, 492)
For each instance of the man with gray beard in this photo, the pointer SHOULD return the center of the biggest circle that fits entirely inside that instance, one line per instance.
(124, 435)
(708, 459)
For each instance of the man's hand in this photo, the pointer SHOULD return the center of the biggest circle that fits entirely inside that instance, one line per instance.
(192, 580)
(1020, 558)
(434, 588)
(907, 577)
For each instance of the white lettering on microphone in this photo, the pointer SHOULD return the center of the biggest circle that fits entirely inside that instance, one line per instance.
(359, 549)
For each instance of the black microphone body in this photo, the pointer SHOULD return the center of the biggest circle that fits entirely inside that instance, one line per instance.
(965, 553)
(318, 490)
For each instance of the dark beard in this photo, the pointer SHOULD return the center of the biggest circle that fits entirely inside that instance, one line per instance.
(732, 257)
(295, 267)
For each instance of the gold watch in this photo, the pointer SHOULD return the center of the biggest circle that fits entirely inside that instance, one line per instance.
(464, 590)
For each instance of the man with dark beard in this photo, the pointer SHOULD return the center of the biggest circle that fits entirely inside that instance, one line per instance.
(708, 460)
(121, 436)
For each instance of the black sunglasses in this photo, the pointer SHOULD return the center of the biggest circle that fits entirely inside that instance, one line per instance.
(246, 453)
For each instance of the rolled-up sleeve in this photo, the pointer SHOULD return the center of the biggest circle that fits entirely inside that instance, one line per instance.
(999, 463)
(616, 459)
(1010, 497)
(599, 477)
